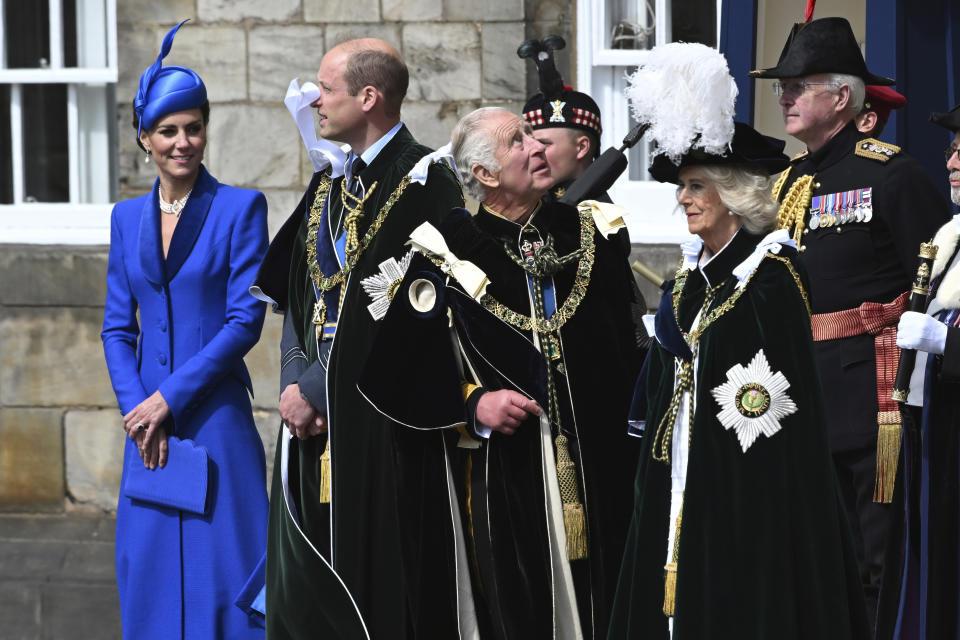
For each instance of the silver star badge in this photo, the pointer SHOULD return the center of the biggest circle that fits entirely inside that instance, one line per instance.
(381, 287)
(753, 400)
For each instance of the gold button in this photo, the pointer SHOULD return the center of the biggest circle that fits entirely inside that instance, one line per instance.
(803, 248)
(816, 185)
(806, 231)
(839, 229)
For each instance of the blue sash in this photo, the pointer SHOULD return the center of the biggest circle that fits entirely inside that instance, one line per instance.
(330, 257)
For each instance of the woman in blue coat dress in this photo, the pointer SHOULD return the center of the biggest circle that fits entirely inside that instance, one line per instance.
(183, 256)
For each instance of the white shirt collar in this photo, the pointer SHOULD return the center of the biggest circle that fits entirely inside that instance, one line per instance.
(371, 152)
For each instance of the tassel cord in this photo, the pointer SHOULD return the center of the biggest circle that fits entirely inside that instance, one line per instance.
(574, 515)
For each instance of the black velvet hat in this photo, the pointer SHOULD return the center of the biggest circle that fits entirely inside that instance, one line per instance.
(826, 45)
(949, 120)
(749, 147)
(557, 105)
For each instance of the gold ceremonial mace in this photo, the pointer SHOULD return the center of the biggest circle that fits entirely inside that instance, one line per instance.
(919, 297)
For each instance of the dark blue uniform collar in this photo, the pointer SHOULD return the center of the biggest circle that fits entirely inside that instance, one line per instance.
(836, 148)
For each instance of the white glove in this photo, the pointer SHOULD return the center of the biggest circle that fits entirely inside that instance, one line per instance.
(922, 332)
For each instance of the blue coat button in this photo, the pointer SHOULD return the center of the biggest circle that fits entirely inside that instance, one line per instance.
(163, 326)
(162, 359)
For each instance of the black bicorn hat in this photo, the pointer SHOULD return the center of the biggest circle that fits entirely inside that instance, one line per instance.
(557, 105)
(748, 147)
(948, 120)
(826, 45)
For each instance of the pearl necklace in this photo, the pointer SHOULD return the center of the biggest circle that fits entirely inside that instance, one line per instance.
(174, 208)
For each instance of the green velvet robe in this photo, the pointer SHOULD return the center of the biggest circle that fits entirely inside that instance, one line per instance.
(348, 569)
(764, 548)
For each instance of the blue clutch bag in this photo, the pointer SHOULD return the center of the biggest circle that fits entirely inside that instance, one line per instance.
(181, 484)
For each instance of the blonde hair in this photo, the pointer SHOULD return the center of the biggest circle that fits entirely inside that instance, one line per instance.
(745, 191)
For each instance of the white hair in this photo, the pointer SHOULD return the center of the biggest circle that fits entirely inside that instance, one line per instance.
(858, 90)
(474, 144)
(745, 191)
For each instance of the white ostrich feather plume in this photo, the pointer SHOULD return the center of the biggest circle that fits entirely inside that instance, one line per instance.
(685, 92)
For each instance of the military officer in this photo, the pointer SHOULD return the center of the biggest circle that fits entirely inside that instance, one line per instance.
(859, 209)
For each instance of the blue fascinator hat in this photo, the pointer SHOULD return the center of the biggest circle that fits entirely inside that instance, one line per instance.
(166, 90)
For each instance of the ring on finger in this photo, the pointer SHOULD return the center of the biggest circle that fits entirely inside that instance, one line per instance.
(141, 426)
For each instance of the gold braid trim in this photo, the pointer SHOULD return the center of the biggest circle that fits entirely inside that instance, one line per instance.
(569, 306)
(793, 208)
(354, 248)
(778, 186)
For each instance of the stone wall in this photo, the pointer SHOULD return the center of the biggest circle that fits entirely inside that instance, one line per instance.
(60, 435)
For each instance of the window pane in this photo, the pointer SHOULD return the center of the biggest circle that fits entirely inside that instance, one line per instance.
(694, 21)
(46, 169)
(69, 33)
(27, 31)
(630, 24)
(6, 168)
(85, 33)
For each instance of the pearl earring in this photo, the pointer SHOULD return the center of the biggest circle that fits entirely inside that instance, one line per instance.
(146, 158)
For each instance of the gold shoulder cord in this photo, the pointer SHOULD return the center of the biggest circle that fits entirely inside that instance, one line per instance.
(354, 247)
(793, 209)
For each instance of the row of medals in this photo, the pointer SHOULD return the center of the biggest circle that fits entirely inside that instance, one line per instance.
(859, 212)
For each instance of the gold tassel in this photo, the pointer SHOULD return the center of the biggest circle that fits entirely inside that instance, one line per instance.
(325, 475)
(574, 518)
(888, 453)
(670, 571)
(575, 523)
(670, 589)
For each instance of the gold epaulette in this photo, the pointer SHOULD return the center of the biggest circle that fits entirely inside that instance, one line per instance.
(876, 150)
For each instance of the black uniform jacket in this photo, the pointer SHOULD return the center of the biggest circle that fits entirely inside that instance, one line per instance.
(869, 261)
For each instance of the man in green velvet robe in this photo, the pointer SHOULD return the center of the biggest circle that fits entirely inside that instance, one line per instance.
(547, 355)
(338, 563)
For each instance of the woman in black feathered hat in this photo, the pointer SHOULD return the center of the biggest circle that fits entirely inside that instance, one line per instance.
(738, 530)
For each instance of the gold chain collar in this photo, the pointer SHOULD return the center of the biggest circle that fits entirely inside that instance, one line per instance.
(355, 248)
(570, 305)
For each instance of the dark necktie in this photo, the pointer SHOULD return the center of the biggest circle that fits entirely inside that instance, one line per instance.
(358, 166)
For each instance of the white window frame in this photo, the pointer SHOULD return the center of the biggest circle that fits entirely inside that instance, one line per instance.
(652, 205)
(89, 154)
